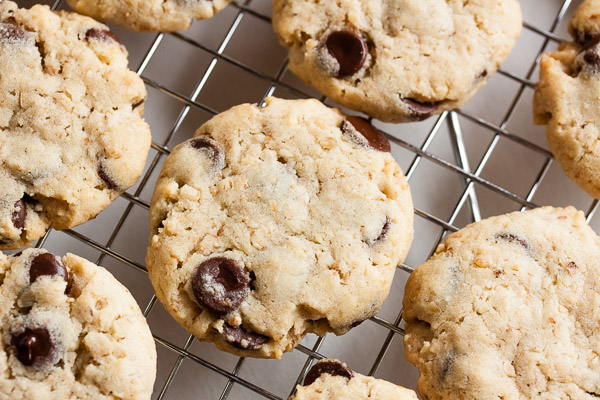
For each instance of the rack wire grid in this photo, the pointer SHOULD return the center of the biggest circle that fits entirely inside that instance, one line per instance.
(483, 159)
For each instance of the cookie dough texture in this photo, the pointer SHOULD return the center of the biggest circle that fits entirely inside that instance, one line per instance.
(149, 15)
(313, 220)
(101, 346)
(330, 386)
(71, 133)
(422, 56)
(567, 99)
(509, 308)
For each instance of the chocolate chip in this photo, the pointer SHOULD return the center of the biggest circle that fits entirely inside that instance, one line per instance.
(349, 49)
(419, 109)
(331, 367)
(572, 267)
(217, 156)
(12, 33)
(220, 284)
(106, 178)
(47, 264)
(482, 74)
(20, 214)
(588, 41)
(509, 237)
(592, 59)
(103, 35)
(358, 129)
(33, 346)
(137, 104)
(239, 337)
(384, 231)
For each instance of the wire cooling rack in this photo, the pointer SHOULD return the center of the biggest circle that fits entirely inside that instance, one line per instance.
(481, 160)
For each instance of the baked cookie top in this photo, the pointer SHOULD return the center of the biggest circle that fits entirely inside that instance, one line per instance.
(149, 15)
(331, 379)
(71, 133)
(509, 307)
(397, 60)
(70, 330)
(276, 221)
(567, 99)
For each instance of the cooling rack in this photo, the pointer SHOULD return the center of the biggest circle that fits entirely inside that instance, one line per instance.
(484, 159)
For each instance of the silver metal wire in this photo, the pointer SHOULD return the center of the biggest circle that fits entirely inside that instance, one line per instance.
(469, 176)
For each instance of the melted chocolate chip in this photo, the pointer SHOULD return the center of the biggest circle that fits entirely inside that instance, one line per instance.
(419, 109)
(349, 49)
(331, 367)
(592, 59)
(588, 41)
(33, 346)
(509, 237)
(201, 143)
(47, 264)
(20, 214)
(384, 231)
(106, 178)
(103, 35)
(12, 33)
(239, 337)
(220, 284)
(353, 126)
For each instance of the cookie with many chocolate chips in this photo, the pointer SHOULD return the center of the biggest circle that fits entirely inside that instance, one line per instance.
(509, 308)
(149, 15)
(567, 99)
(71, 133)
(331, 379)
(277, 221)
(397, 60)
(69, 330)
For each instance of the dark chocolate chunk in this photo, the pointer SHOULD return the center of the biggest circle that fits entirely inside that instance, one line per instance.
(592, 59)
(33, 346)
(239, 337)
(20, 214)
(103, 35)
(349, 49)
(419, 109)
(220, 284)
(482, 74)
(217, 156)
(509, 237)
(588, 41)
(47, 264)
(375, 139)
(331, 367)
(106, 178)
(12, 33)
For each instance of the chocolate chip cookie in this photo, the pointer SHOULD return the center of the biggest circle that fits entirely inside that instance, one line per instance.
(567, 99)
(149, 15)
(69, 330)
(331, 379)
(277, 221)
(397, 60)
(71, 133)
(509, 308)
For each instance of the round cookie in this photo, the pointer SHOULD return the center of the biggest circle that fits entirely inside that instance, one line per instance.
(71, 133)
(331, 379)
(397, 60)
(70, 330)
(567, 99)
(277, 221)
(149, 15)
(509, 308)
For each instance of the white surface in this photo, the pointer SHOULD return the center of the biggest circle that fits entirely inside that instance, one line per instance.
(179, 66)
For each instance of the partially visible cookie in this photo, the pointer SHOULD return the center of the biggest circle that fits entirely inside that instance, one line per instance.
(401, 60)
(70, 330)
(277, 221)
(149, 15)
(71, 133)
(567, 99)
(509, 308)
(331, 379)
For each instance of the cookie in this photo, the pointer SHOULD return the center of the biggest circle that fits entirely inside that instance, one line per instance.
(331, 379)
(70, 330)
(71, 133)
(567, 99)
(509, 308)
(400, 60)
(277, 221)
(149, 15)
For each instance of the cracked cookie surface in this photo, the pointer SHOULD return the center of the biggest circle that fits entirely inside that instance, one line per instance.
(71, 133)
(509, 307)
(277, 221)
(70, 330)
(567, 99)
(149, 15)
(397, 60)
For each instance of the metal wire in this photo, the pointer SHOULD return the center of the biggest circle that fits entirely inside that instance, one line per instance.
(469, 178)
